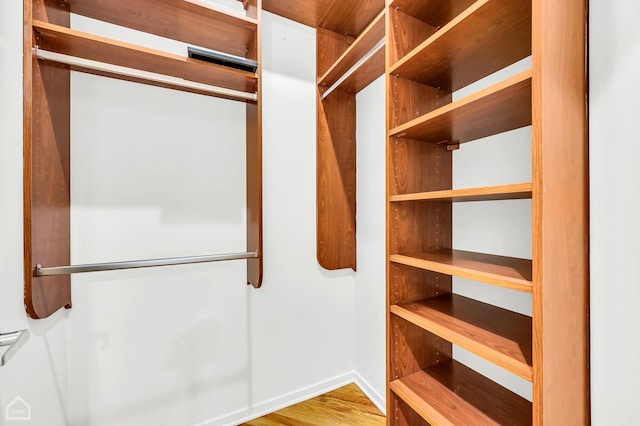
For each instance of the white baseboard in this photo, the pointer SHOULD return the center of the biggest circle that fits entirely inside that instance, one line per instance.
(295, 397)
(377, 399)
(280, 402)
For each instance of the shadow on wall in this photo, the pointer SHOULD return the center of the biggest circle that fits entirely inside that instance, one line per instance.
(190, 167)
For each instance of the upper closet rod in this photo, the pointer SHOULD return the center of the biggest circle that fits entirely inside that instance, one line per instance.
(134, 264)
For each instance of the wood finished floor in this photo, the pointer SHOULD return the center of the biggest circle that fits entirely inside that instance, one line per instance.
(346, 406)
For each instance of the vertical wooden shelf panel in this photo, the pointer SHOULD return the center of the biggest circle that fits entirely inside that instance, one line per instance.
(46, 167)
(560, 214)
(349, 59)
(254, 158)
(336, 181)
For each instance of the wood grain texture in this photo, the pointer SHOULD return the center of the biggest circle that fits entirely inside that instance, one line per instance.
(366, 74)
(405, 34)
(451, 59)
(560, 214)
(500, 336)
(412, 348)
(409, 100)
(255, 267)
(344, 406)
(508, 272)
(331, 46)
(486, 193)
(351, 17)
(88, 46)
(502, 107)
(336, 181)
(452, 394)
(436, 13)
(46, 169)
(307, 12)
(192, 21)
(365, 42)
(401, 413)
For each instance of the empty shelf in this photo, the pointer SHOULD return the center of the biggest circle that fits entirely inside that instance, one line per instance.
(487, 193)
(498, 335)
(497, 109)
(508, 272)
(191, 21)
(451, 59)
(453, 394)
(87, 46)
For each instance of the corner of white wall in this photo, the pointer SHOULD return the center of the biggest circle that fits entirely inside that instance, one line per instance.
(614, 152)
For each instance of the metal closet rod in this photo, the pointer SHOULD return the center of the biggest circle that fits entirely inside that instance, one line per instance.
(134, 264)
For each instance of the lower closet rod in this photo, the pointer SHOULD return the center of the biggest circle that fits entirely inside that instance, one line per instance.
(133, 264)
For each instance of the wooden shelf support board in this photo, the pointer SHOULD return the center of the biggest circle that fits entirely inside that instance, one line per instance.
(47, 106)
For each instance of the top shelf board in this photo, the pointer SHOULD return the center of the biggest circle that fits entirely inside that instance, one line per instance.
(452, 59)
(191, 21)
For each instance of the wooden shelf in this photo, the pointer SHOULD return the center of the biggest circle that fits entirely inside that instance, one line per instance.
(87, 46)
(350, 17)
(436, 13)
(500, 336)
(502, 107)
(453, 394)
(452, 59)
(370, 69)
(488, 193)
(191, 21)
(508, 272)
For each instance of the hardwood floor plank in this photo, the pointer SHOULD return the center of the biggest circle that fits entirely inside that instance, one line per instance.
(346, 406)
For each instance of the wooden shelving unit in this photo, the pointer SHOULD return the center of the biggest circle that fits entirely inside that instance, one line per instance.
(433, 49)
(52, 49)
(350, 40)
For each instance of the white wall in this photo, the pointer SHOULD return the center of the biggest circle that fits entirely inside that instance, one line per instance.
(38, 372)
(615, 209)
(370, 331)
(159, 173)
